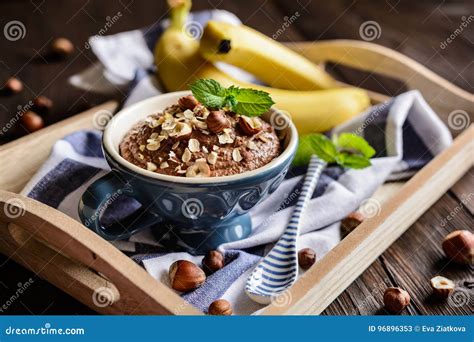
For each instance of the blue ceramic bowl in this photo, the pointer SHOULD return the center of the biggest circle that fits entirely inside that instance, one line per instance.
(192, 214)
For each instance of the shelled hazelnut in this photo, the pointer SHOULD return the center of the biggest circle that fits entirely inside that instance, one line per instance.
(62, 47)
(306, 258)
(187, 102)
(351, 221)
(212, 262)
(12, 86)
(216, 121)
(442, 287)
(396, 299)
(186, 276)
(42, 104)
(220, 307)
(32, 121)
(249, 125)
(459, 246)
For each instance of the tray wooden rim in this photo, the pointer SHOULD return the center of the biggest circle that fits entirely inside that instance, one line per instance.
(313, 291)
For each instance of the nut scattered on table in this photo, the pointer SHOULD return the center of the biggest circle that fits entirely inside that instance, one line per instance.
(13, 86)
(186, 276)
(32, 121)
(349, 223)
(216, 121)
(212, 262)
(187, 102)
(62, 47)
(395, 299)
(459, 246)
(306, 258)
(42, 104)
(220, 307)
(442, 287)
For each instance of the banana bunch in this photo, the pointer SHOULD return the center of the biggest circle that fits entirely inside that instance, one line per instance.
(182, 60)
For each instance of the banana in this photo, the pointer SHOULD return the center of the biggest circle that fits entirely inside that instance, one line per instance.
(180, 63)
(270, 61)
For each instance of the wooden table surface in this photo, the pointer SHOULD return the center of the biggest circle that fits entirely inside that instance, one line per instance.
(416, 29)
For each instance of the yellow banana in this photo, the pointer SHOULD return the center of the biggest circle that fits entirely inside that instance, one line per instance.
(179, 64)
(270, 61)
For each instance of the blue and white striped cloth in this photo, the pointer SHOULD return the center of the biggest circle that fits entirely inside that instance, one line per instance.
(405, 132)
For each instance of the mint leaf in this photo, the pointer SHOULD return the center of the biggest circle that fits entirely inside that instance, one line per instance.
(249, 102)
(317, 144)
(353, 161)
(209, 92)
(350, 142)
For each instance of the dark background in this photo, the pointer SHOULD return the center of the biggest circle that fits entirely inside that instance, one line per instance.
(415, 28)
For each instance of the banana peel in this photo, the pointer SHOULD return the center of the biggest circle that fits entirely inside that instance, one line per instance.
(180, 63)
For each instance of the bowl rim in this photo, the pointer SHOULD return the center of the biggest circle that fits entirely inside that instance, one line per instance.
(112, 151)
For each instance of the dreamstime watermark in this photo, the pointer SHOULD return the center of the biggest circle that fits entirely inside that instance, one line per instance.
(14, 208)
(377, 290)
(101, 118)
(109, 199)
(283, 299)
(465, 200)
(460, 298)
(287, 22)
(370, 207)
(370, 30)
(22, 287)
(47, 329)
(465, 21)
(280, 119)
(458, 119)
(283, 205)
(192, 208)
(110, 21)
(374, 114)
(14, 30)
(21, 110)
(103, 296)
(193, 30)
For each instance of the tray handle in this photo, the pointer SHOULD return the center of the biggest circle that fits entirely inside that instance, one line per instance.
(133, 290)
(441, 94)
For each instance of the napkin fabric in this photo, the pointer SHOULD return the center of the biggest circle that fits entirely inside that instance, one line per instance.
(405, 132)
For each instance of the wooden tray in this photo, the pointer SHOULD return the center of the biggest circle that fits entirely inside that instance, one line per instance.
(65, 253)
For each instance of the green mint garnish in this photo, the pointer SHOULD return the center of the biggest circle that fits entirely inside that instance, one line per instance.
(246, 101)
(347, 150)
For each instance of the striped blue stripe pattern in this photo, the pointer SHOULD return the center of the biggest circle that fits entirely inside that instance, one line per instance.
(278, 270)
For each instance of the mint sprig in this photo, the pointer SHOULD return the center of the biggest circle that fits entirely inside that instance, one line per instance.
(246, 101)
(347, 150)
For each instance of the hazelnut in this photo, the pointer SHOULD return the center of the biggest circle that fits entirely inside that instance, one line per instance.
(249, 125)
(187, 102)
(396, 299)
(212, 262)
(216, 121)
(62, 47)
(13, 86)
(306, 258)
(442, 287)
(182, 131)
(42, 104)
(186, 276)
(32, 121)
(220, 307)
(459, 246)
(198, 169)
(349, 223)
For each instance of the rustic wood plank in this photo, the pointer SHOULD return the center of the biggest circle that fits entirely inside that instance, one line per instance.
(464, 191)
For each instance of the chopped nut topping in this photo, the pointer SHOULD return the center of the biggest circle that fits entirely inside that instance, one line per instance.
(215, 148)
(236, 155)
(212, 158)
(186, 156)
(251, 145)
(141, 156)
(142, 147)
(198, 169)
(151, 166)
(225, 137)
(175, 145)
(164, 165)
(153, 136)
(152, 145)
(204, 149)
(199, 124)
(188, 114)
(194, 145)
